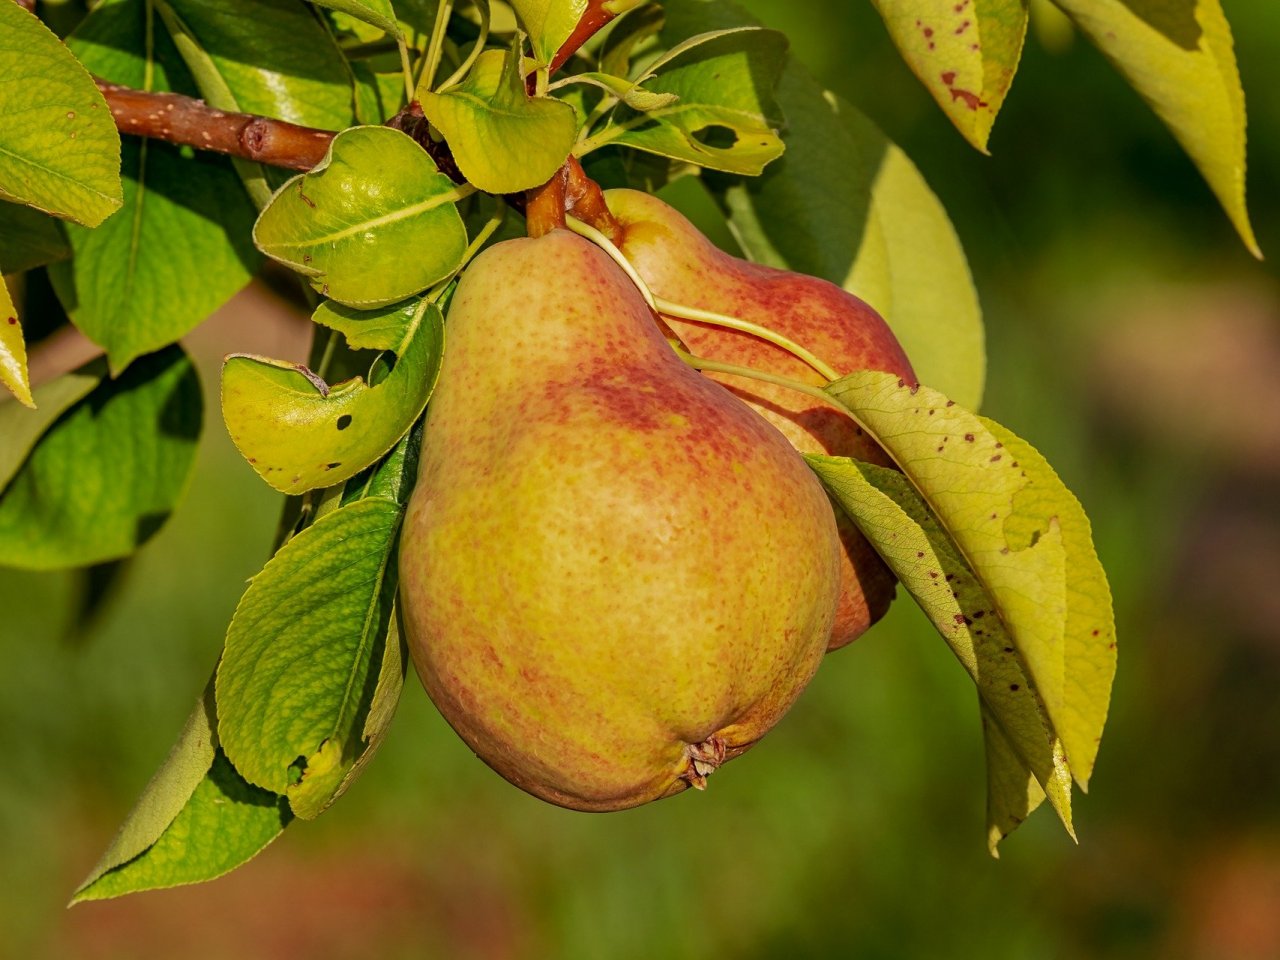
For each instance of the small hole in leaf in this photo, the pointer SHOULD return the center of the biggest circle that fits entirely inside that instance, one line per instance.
(344, 421)
(297, 769)
(716, 136)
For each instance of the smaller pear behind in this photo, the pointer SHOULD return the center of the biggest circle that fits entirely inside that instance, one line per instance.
(614, 575)
(679, 264)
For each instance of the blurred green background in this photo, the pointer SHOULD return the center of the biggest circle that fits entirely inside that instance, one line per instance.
(1131, 339)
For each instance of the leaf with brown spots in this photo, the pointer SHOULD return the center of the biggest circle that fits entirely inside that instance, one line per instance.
(965, 52)
(13, 350)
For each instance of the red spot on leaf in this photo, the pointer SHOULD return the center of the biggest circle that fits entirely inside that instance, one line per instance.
(949, 77)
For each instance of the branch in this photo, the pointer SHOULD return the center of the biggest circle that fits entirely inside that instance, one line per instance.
(184, 120)
(593, 20)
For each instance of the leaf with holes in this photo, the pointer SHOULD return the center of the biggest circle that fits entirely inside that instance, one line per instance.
(300, 666)
(373, 223)
(59, 150)
(965, 52)
(503, 140)
(13, 350)
(724, 117)
(299, 434)
(106, 475)
(179, 248)
(1180, 57)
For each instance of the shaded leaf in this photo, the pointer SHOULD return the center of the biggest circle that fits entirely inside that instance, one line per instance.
(105, 476)
(965, 52)
(296, 678)
(503, 140)
(724, 117)
(59, 150)
(347, 224)
(21, 427)
(179, 248)
(298, 437)
(13, 350)
(29, 239)
(1179, 55)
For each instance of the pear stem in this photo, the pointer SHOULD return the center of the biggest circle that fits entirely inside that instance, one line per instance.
(607, 245)
(683, 312)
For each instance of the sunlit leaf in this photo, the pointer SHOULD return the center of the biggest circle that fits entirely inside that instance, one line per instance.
(303, 654)
(297, 436)
(13, 350)
(503, 140)
(1013, 792)
(965, 52)
(372, 223)
(103, 478)
(59, 150)
(628, 91)
(548, 23)
(724, 117)
(379, 13)
(1179, 55)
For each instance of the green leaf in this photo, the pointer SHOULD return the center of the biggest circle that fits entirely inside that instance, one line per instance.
(296, 679)
(180, 248)
(298, 436)
(1090, 640)
(13, 350)
(59, 150)
(1179, 55)
(965, 52)
(725, 117)
(549, 23)
(963, 607)
(376, 12)
(29, 239)
(1013, 792)
(225, 822)
(628, 91)
(271, 57)
(503, 140)
(373, 223)
(21, 427)
(103, 479)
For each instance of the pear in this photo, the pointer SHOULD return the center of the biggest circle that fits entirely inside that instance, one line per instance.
(614, 575)
(679, 264)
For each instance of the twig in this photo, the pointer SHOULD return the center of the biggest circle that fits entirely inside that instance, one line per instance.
(593, 20)
(185, 120)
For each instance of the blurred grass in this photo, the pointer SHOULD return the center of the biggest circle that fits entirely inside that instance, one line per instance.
(856, 827)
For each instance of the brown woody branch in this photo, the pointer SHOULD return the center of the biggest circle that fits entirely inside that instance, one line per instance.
(593, 20)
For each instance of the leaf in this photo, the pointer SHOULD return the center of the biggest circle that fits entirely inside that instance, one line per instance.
(725, 117)
(503, 140)
(29, 239)
(967, 604)
(271, 57)
(295, 682)
(1179, 55)
(21, 427)
(349, 224)
(376, 12)
(105, 476)
(549, 23)
(225, 822)
(1090, 640)
(13, 350)
(629, 92)
(965, 52)
(299, 437)
(59, 150)
(179, 248)
(1013, 792)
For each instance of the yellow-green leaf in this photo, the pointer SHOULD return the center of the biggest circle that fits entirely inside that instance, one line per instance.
(964, 606)
(503, 140)
(548, 23)
(374, 222)
(1090, 634)
(299, 434)
(13, 350)
(965, 52)
(1013, 792)
(1178, 54)
(59, 150)
(376, 12)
